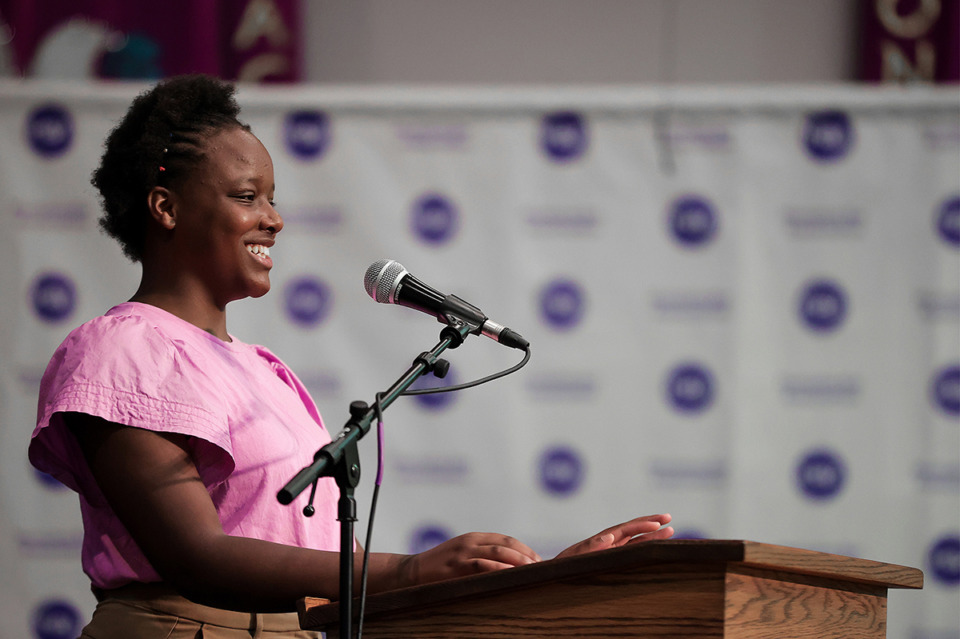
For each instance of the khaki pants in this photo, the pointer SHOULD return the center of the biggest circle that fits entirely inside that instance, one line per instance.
(148, 611)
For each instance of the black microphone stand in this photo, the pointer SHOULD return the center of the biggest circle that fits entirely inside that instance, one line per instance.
(340, 459)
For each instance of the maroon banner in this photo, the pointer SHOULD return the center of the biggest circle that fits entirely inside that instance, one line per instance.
(253, 40)
(911, 41)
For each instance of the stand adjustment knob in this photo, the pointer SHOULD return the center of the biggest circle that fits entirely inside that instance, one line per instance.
(358, 409)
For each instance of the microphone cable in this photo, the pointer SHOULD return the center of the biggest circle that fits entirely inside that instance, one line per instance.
(373, 511)
(378, 409)
(476, 382)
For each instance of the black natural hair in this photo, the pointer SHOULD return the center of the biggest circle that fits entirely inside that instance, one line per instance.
(158, 142)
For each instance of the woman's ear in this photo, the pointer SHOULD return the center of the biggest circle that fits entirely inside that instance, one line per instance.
(160, 201)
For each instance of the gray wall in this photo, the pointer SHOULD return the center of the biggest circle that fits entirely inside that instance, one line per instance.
(581, 41)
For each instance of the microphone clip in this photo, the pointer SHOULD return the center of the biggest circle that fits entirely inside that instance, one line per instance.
(457, 328)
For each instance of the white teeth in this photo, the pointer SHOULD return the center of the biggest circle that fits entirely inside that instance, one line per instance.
(259, 249)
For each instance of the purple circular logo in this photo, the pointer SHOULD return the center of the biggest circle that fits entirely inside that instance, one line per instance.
(563, 136)
(943, 560)
(823, 305)
(56, 619)
(53, 297)
(693, 220)
(690, 388)
(561, 471)
(434, 218)
(427, 537)
(562, 304)
(307, 134)
(821, 474)
(828, 135)
(688, 533)
(946, 390)
(307, 300)
(48, 481)
(435, 401)
(948, 221)
(50, 130)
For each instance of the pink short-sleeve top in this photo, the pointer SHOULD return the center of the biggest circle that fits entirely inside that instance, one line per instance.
(251, 425)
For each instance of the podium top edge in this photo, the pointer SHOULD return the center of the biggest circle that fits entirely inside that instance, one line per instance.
(817, 563)
(707, 554)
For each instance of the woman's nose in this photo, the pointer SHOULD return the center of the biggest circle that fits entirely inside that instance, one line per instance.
(272, 222)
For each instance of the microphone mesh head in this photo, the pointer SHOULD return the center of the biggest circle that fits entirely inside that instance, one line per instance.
(381, 278)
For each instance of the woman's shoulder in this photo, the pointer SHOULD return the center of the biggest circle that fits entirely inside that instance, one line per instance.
(118, 329)
(127, 338)
(130, 325)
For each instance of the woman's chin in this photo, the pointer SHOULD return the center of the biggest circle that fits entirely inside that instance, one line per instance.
(255, 289)
(260, 292)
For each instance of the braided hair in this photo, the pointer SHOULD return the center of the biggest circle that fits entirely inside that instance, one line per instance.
(158, 142)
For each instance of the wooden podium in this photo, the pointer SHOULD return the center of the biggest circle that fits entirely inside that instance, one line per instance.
(673, 588)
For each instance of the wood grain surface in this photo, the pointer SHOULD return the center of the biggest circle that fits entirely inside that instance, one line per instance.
(673, 588)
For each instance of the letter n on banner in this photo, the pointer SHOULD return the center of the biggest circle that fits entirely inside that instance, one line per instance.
(912, 41)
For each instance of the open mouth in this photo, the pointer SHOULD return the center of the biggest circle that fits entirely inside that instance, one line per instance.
(260, 252)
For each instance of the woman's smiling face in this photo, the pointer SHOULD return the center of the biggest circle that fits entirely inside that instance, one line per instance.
(225, 220)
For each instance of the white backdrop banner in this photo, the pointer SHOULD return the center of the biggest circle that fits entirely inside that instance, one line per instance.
(743, 305)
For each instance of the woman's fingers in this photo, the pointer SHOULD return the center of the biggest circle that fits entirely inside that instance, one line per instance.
(500, 552)
(648, 528)
(626, 531)
(663, 533)
(472, 553)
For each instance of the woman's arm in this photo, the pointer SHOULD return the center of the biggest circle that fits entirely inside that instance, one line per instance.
(152, 484)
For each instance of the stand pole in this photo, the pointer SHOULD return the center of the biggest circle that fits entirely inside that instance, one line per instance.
(341, 460)
(347, 476)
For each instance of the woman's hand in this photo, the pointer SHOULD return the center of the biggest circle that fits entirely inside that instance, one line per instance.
(474, 553)
(467, 554)
(640, 529)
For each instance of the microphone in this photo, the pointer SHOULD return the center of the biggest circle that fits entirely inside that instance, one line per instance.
(387, 282)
